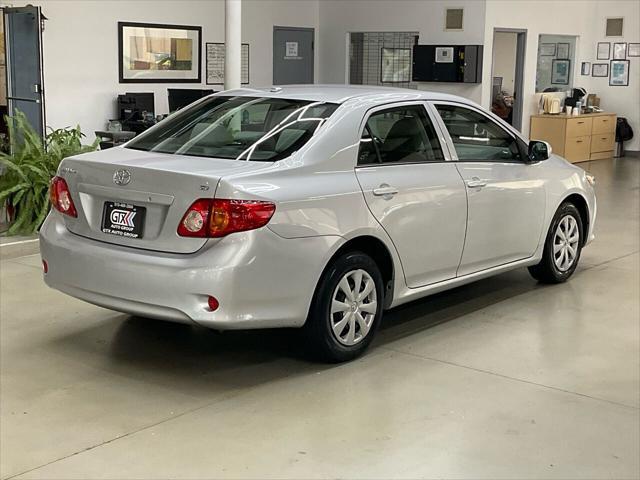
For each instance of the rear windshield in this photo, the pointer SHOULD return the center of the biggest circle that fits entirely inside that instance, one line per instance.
(243, 128)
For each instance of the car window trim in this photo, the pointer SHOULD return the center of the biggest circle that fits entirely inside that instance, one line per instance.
(387, 106)
(454, 153)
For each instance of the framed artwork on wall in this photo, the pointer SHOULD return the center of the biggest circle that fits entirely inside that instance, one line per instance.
(619, 73)
(633, 50)
(563, 51)
(600, 70)
(560, 71)
(158, 53)
(619, 51)
(586, 68)
(547, 49)
(604, 51)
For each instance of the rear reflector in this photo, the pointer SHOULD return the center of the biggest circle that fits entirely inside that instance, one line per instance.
(60, 197)
(45, 266)
(218, 217)
(213, 303)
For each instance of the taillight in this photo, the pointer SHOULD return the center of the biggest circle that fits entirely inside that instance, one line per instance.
(218, 217)
(61, 197)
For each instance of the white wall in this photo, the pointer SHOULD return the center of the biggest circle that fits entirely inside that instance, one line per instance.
(80, 45)
(584, 19)
(338, 17)
(504, 59)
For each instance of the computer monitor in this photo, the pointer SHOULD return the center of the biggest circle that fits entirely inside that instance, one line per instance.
(181, 97)
(131, 105)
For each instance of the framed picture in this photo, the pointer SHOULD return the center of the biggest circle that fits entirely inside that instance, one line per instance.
(215, 56)
(563, 51)
(619, 51)
(600, 70)
(155, 53)
(633, 50)
(547, 49)
(604, 51)
(560, 71)
(395, 65)
(585, 68)
(619, 73)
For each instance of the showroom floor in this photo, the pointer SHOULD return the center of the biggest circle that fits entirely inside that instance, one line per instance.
(503, 379)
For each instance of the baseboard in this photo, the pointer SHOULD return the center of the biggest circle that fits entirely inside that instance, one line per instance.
(632, 153)
(18, 247)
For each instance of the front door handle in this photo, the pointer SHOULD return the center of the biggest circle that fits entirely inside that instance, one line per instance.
(476, 182)
(385, 190)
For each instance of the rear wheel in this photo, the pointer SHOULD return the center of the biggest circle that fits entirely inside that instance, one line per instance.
(346, 308)
(562, 247)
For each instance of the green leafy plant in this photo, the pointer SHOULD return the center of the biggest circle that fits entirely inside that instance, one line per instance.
(28, 169)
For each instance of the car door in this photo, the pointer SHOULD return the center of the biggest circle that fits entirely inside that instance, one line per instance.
(413, 191)
(505, 194)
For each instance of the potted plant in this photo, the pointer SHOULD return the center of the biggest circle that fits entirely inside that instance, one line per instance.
(28, 169)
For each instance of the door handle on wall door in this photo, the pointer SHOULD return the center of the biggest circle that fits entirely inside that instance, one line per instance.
(385, 190)
(476, 182)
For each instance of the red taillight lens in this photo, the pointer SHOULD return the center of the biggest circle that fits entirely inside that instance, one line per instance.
(218, 217)
(61, 197)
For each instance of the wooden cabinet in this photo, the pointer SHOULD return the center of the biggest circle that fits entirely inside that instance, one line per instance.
(577, 138)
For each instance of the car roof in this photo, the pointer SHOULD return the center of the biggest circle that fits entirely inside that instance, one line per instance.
(341, 93)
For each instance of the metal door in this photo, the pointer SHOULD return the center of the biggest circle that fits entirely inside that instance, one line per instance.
(293, 55)
(23, 43)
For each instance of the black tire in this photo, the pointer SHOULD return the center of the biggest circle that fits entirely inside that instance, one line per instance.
(322, 342)
(547, 271)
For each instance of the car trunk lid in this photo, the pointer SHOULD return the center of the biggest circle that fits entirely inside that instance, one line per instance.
(137, 198)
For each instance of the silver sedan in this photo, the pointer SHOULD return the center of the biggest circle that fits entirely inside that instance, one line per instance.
(311, 206)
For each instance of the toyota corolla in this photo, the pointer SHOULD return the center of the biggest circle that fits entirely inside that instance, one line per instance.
(311, 206)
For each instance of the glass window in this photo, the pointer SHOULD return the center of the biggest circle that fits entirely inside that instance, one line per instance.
(476, 137)
(399, 135)
(247, 128)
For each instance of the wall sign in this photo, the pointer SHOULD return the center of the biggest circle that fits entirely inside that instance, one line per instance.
(560, 71)
(604, 51)
(600, 70)
(619, 73)
(216, 53)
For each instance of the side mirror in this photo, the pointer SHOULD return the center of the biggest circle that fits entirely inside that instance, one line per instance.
(539, 150)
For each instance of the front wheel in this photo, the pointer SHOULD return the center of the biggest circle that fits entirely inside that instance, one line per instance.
(346, 308)
(562, 247)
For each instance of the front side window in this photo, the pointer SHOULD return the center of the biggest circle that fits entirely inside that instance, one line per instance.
(244, 128)
(399, 135)
(476, 137)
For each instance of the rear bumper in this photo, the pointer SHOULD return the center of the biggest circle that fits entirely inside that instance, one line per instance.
(260, 279)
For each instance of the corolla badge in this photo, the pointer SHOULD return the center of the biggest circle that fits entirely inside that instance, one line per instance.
(122, 177)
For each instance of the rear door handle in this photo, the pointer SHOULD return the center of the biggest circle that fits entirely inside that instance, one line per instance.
(385, 190)
(476, 182)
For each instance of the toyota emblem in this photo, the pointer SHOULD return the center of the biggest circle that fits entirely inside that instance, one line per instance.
(122, 177)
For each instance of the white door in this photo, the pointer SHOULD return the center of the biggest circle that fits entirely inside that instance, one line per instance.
(417, 196)
(506, 195)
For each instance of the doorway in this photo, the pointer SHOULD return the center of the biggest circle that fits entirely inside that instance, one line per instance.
(507, 75)
(293, 55)
(23, 63)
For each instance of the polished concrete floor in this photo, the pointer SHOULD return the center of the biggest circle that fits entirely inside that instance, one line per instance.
(500, 379)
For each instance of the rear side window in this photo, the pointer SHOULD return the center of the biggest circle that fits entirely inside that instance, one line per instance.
(476, 137)
(399, 135)
(245, 128)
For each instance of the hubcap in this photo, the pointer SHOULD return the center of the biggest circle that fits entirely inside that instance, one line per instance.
(565, 243)
(353, 307)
